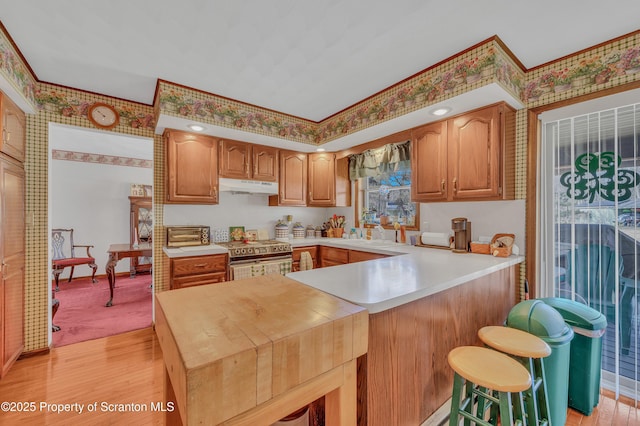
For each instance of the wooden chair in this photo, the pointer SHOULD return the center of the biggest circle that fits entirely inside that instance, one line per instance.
(64, 254)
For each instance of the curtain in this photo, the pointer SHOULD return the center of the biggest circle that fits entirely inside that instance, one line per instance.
(380, 161)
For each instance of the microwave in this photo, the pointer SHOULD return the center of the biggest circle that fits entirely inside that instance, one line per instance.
(182, 236)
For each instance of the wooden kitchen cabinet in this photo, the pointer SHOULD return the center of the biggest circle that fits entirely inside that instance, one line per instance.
(198, 270)
(191, 173)
(242, 160)
(321, 185)
(292, 185)
(12, 260)
(13, 124)
(464, 158)
(332, 256)
(297, 251)
(361, 256)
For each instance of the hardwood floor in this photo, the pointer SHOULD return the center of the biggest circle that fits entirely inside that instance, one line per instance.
(127, 369)
(122, 369)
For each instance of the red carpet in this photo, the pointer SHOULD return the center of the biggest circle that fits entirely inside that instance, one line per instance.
(83, 316)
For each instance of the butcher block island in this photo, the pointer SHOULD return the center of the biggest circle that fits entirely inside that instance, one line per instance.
(250, 352)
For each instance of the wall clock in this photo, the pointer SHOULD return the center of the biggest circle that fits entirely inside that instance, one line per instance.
(103, 116)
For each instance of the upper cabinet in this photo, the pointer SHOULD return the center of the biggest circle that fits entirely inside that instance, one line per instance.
(191, 168)
(13, 129)
(242, 160)
(292, 185)
(321, 185)
(468, 157)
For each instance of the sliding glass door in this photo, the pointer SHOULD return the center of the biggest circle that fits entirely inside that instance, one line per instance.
(590, 227)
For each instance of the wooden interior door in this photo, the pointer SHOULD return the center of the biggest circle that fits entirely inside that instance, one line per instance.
(12, 257)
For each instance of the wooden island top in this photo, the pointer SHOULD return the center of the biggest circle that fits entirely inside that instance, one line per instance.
(252, 351)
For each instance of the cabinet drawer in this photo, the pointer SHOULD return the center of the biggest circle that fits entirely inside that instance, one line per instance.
(194, 280)
(198, 265)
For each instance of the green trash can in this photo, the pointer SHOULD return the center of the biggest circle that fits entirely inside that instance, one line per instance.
(586, 351)
(540, 319)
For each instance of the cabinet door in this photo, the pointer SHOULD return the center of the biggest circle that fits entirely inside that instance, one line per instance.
(297, 252)
(265, 163)
(322, 180)
(292, 185)
(361, 256)
(235, 159)
(13, 129)
(474, 155)
(331, 256)
(191, 168)
(429, 162)
(12, 261)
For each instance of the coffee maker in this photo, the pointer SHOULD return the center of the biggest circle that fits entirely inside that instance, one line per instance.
(461, 234)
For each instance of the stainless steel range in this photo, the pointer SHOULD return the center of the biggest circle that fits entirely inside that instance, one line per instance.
(256, 258)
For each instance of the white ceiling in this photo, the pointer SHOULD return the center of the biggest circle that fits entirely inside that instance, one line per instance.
(301, 57)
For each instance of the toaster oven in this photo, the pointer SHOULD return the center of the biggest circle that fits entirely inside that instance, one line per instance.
(182, 236)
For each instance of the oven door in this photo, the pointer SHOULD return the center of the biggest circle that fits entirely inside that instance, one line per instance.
(256, 268)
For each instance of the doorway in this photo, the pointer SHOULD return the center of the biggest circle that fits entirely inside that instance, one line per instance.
(92, 175)
(589, 233)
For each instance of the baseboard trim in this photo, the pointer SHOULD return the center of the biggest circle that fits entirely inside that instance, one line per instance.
(441, 415)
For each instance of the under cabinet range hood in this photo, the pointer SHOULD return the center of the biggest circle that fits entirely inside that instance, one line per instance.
(246, 186)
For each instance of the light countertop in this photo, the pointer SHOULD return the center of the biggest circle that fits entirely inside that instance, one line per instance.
(413, 273)
(410, 273)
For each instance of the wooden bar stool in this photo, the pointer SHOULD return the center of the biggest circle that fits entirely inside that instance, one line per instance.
(492, 377)
(530, 350)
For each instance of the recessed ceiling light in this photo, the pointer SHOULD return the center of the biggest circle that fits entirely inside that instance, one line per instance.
(441, 111)
(320, 150)
(196, 127)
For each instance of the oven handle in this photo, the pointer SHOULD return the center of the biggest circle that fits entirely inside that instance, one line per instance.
(260, 260)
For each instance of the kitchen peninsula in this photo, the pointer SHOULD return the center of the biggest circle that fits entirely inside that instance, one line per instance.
(422, 303)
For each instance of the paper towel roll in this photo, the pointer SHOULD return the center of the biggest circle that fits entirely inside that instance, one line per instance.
(435, 239)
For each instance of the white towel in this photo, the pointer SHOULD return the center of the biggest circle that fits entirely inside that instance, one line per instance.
(306, 262)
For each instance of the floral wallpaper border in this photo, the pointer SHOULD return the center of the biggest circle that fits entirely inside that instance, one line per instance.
(15, 70)
(482, 65)
(608, 65)
(111, 160)
(73, 105)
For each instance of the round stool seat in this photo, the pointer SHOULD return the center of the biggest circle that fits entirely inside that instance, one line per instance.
(490, 369)
(515, 342)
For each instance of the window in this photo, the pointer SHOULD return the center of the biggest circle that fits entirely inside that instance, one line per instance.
(387, 199)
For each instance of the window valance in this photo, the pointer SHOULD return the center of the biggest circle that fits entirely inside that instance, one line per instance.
(379, 161)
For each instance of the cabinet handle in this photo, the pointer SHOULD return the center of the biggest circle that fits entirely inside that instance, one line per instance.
(442, 185)
(8, 137)
(455, 184)
(200, 265)
(215, 192)
(4, 135)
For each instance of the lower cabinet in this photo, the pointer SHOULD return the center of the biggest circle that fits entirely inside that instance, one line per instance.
(297, 252)
(332, 256)
(198, 270)
(361, 256)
